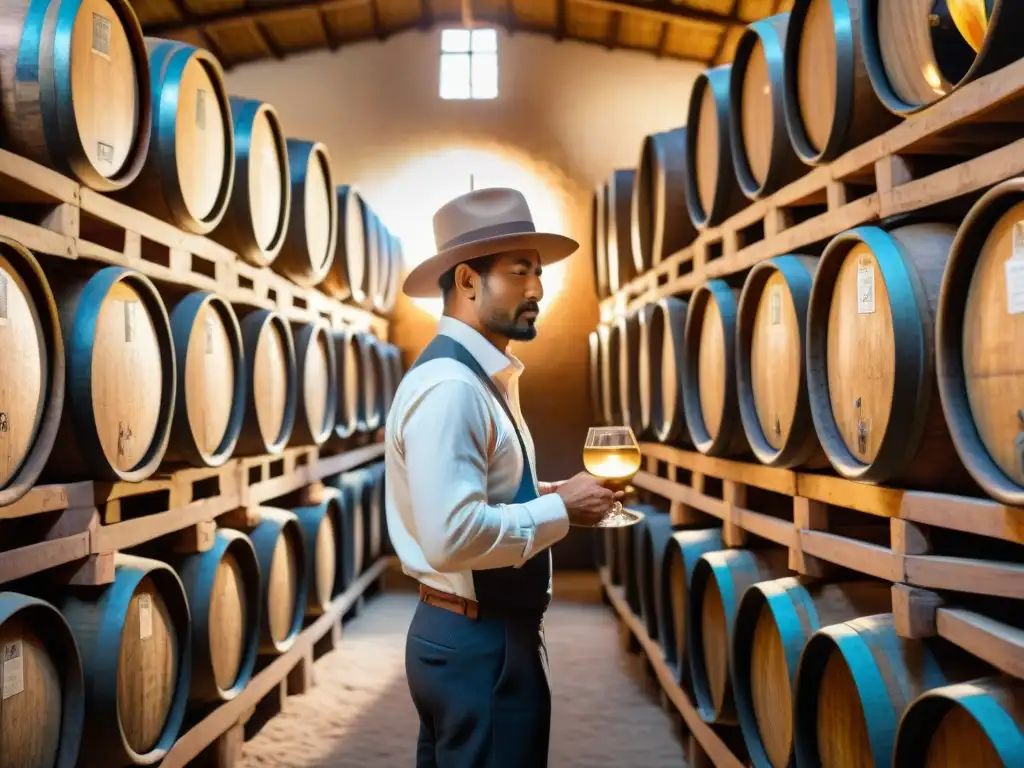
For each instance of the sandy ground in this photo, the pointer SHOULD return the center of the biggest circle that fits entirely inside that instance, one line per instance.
(359, 713)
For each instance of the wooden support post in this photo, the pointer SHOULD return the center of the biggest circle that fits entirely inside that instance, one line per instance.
(809, 515)
(196, 538)
(300, 679)
(735, 495)
(914, 611)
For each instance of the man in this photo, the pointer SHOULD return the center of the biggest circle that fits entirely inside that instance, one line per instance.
(464, 512)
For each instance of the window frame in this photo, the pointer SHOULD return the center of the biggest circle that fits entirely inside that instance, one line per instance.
(460, 43)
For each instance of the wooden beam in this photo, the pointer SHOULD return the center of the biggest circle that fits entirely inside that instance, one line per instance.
(378, 27)
(265, 12)
(426, 15)
(265, 40)
(724, 37)
(560, 21)
(663, 39)
(466, 12)
(613, 30)
(662, 10)
(325, 30)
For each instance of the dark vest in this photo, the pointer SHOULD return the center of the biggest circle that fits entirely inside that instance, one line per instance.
(514, 589)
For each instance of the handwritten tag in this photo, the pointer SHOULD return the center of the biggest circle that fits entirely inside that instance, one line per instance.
(3, 298)
(776, 305)
(145, 616)
(14, 670)
(101, 35)
(865, 290)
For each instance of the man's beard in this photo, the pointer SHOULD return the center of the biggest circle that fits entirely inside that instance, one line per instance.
(510, 329)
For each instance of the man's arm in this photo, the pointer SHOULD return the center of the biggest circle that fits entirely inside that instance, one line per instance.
(446, 438)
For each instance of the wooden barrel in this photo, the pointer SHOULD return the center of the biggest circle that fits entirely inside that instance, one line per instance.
(308, 251)
(43, 708)
(396, 274)
(383, 269)
(653, 543)
(317, 369)
(712, 192)
(259, 207)
(370, 407)
(282, 555)
(870, 356)
(345, 277)
(599, 237)
(618, 232)
(917, 53)
(349, 484)
(774, 621)
(373, 511)
(94, 49)
(222, 587)
(190, 168)
(610, 353)
(661, 385)
(368, 284)
(710, 403)
(121, 375)
(323, 532)
(594, 379)
(977, 723)
(762, 155)
(978, 327)
(350, 374)
(829, 102)
(854, 682)
(391, 360)
(718, 582)
(771, 384)
(629, 545)
(628, 337)
(32, 355)
(683, 550)
(660, 224)
(135, 639)
(210, 367)
(271, 391)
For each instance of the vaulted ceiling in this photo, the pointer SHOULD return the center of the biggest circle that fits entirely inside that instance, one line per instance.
(238, 31)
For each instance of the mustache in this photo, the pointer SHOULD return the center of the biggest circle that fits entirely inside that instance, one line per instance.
(530, 306)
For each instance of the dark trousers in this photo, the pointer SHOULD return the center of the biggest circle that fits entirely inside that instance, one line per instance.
(481, 689)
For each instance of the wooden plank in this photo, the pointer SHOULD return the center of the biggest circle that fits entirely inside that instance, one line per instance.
(682, 493)
(840, 492)
(770, 479)
(982, 577)
(959, 513)
(720, 754)
(767, 527)
(26, 181)
(50, 498)
(224, 717)
(880, 562)
(999, 644)
(24, 561)
(131, 533)
(342, 462)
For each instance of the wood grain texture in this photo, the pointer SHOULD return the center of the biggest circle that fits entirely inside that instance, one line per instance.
(660, 224)
(309, 246)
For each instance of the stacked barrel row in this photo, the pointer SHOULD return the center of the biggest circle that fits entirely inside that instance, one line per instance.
(812, 672)
(888, 356)
(804, 87)
(109, 376)
(152, 124)
(108, 675)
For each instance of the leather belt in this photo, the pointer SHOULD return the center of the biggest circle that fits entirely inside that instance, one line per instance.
(448, 601)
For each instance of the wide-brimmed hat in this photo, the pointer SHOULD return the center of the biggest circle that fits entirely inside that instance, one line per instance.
(481, 223)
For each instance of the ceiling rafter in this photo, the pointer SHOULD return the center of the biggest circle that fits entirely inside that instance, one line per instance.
(666, 11)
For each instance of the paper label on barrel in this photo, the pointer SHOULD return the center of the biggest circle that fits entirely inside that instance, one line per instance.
(201, 109)
(208, 331)
(104, 152)
(776, 305)
(130, 309)
(14, 670)
(865, 290)
(3, 299)
(101, 35)
(1015, 286)
(145, 616)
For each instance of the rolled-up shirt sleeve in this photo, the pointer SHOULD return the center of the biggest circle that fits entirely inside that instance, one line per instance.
(446, 440)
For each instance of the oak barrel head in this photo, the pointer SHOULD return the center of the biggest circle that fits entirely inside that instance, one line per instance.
(283, 556)
(259, 207)
(770, 373)
(317, 370)
(618, 218)
(917, 52)
(598, 234)
(93, 53)
(210, 403)
(660, 222)
(271, 382)
(349, 365)
(32, 354)
(978, 327)
(310, 242)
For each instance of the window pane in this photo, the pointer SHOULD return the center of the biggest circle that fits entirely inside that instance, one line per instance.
(455, 76)
(485, 75)
(485, 40)
(455, 40)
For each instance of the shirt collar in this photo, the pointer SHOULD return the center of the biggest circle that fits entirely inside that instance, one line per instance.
(492, 360)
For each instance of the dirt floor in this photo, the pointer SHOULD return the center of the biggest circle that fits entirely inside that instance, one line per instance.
(359, 713)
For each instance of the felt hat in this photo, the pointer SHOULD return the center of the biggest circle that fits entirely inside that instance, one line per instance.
(481, 223)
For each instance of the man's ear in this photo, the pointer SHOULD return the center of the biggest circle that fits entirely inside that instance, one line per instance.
(466, 280)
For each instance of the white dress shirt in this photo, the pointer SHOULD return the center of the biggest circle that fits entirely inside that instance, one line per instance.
(453, 468)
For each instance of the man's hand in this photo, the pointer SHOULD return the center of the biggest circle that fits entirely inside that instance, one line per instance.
(586, 500)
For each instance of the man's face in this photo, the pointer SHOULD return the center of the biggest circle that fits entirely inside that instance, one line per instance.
(510, 290)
